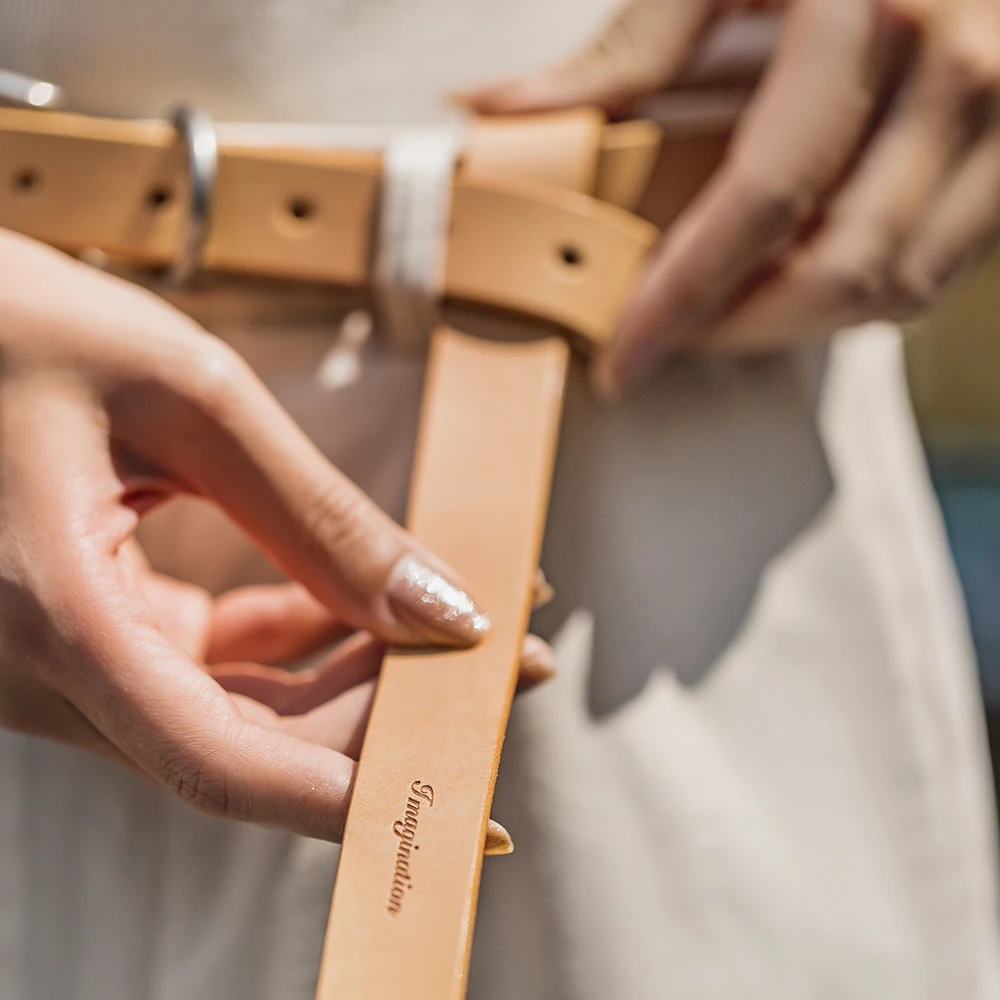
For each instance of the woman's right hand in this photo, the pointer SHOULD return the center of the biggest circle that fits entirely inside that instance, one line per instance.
(110, 401)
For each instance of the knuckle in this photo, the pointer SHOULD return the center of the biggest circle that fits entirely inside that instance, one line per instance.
(201, 783)
(338, 516)
(622, 53)
(913, 293)
(213, 379)
(873, 290)
(973, 66)
(618, 46)
(774, 208)
(912, 14)
(858, 288)
(263, 634)
(201, 778)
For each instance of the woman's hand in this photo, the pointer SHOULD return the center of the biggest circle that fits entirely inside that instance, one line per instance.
(109, 402)
(864, 173)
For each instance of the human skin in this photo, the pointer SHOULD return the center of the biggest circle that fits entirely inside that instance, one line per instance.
(110, 402)
(863, 175)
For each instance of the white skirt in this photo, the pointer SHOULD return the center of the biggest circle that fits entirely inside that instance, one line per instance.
(761, 771)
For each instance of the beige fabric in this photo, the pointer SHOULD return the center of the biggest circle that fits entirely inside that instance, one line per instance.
(365, 61)
(731, 791)
(808, 820)
(797, 805)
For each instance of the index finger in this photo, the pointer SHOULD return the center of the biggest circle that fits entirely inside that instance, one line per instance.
(799, 133)
(208, 420)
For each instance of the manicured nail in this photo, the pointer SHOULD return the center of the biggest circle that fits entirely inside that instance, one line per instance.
(434, 607)
(538, 663)
(544, 591)
(497, 840)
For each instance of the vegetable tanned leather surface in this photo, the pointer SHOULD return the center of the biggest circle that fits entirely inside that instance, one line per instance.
(405, 896)
(516, 242)
(408, 882)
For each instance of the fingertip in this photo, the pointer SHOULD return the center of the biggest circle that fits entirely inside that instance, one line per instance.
(602, 379)
(309, 787)
(637, 354)
(492, 100)
(538, 663)
(522, 95)
(633, 353)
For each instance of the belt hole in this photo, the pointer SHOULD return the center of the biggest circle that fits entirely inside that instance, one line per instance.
(571, 256)
(157, 197)
(27, 180)
(301, 209)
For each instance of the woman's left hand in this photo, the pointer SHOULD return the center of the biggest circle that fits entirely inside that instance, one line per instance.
(864, 173)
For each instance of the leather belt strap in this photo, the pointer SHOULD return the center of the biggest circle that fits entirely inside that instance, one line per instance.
(405, 896)
(121, 186)
(407, 885)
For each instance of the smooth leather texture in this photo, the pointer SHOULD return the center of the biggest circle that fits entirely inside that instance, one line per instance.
(561, 150)
(517, 244)
(405, 897)
(408, 880)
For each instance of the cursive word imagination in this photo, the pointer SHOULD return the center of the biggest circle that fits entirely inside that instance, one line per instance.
(406, 830)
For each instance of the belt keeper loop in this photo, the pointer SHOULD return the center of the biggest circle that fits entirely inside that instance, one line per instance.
(412, 233)
(197, 132)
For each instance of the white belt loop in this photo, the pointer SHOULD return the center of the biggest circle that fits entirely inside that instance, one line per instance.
(412, 241)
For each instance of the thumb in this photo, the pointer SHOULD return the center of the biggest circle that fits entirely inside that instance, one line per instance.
(641, 50)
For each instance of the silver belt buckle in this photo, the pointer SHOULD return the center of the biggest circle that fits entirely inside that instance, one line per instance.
(195, 130)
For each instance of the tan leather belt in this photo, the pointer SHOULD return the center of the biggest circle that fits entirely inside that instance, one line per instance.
(405, 896)
(527, 235)
(516, 242)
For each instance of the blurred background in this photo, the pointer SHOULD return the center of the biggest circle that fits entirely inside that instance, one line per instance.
(954, 371)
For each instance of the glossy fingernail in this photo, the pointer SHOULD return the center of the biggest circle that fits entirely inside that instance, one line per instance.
(498, 840)
(432, 606)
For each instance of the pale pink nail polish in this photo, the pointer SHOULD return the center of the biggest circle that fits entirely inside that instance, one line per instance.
(431, 605)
